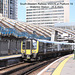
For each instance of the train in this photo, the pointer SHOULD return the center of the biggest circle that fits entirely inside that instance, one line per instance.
(38, 49)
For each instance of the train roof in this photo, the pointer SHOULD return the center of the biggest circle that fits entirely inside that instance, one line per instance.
(46, 41)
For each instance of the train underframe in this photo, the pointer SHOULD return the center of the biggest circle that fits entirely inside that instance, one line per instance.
(40, 56)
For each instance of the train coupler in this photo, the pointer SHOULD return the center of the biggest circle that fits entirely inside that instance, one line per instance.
(28, 56)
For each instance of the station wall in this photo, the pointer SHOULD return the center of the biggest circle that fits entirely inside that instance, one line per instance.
(8, 47)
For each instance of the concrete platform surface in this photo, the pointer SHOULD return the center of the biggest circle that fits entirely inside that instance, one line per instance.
(62, 66)
(69, 67)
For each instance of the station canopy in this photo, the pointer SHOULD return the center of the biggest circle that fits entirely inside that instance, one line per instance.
(20, 29)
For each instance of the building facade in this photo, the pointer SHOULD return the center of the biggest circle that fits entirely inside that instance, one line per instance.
(47, 12)
(69, 26)
(9, 8)
(1, 6)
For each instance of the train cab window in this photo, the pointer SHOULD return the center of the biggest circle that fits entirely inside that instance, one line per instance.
(34, 44)
(23, 46)
(27, 44)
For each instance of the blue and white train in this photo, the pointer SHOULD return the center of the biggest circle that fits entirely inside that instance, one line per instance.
(38, 49)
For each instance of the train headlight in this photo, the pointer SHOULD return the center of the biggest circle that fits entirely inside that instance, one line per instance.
(34, 51)
(23, 51)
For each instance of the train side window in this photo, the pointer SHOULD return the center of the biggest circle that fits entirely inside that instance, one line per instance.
(41, 46)
(49, 46)
(55, 46)
(62, 46)
(23, 46)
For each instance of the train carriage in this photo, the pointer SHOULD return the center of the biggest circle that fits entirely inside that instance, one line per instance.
(38, 49)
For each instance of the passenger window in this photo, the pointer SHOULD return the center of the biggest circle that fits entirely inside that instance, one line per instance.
(55, 46)
(49, 46)
(41, 46)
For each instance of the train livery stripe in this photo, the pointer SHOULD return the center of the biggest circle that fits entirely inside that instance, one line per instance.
(22, 51)
(21, 46)
(60, 67)
(37, 46)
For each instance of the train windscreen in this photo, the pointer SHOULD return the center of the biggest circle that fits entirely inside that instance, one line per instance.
(34, 44)
(23, 46)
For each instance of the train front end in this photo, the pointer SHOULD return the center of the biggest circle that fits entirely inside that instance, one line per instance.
(29, 49)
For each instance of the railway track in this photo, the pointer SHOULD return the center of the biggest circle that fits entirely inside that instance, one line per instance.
(8, 66)
(25, 68)
(13, 68)
(37, 66)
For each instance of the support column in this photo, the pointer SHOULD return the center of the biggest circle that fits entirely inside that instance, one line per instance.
(16, 48)
(74, 54)
(9, 47)
(0, 47)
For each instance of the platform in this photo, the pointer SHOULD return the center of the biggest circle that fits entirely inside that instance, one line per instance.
(10, 57)
(63, 66)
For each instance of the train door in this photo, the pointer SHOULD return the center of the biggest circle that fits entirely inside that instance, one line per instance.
(28, 47)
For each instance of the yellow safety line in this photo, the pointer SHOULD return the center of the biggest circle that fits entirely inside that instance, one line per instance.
(61, 65)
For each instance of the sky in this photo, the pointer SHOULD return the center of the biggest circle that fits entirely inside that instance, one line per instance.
(22, 11)
(72, 11)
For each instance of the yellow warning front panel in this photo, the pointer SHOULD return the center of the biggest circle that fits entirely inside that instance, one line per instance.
(28, 51)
